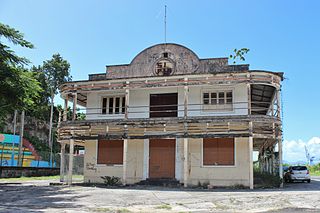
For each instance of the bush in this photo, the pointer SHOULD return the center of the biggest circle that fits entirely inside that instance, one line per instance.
(266, 180)
(111, 181)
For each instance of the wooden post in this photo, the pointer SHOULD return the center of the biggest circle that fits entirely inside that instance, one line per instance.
(70, 161)
(249, 98)
(65, 110)
(74, 112)
(278, 104)
(125, 153)
(185, 162)
(186, 90)
(21, 139)
(250, 155)
(126, 115)
(62, 161)
(280, 160)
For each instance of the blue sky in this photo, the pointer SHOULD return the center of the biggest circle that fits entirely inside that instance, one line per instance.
(282, 36)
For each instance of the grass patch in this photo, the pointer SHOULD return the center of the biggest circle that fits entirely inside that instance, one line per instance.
(315, 173)
(56, 177)
(101, 210)
(164, 206)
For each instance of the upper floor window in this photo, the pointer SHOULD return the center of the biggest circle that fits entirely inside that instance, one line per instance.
(113, 105)
(217, 100)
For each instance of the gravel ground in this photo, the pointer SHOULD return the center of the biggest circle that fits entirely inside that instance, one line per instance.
(38, 196)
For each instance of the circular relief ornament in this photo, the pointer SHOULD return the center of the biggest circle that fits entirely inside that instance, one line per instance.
(164, 67)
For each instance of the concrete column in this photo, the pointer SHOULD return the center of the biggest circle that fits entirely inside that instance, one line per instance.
(185, 161)
(70, 161)
(250, 156)
(65, 109)
(125, 153)
(62, 161)
(74, 115)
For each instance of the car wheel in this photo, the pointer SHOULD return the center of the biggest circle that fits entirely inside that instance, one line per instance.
(308, 181)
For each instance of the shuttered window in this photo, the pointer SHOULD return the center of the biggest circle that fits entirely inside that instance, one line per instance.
(110, 152)
(218, 151)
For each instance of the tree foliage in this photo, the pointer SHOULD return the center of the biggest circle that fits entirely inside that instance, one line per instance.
(56, 71)
(18, 87)
(17, 38)
(239, 54)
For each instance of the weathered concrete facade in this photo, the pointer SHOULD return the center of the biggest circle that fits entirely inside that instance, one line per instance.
(167, 92)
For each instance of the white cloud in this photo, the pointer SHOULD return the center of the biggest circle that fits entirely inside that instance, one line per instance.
(294, 151)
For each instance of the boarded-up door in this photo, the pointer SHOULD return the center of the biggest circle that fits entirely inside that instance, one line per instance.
(162, 158)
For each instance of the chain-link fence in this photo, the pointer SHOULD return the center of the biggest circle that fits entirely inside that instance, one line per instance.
(77, 167)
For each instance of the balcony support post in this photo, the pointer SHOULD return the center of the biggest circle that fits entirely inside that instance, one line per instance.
(186, 91)
(74, 112)
(65, 110)
(126, 115)
(250, 155)
(249, 98)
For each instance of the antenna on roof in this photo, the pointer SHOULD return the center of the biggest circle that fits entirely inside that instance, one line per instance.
(165, 24)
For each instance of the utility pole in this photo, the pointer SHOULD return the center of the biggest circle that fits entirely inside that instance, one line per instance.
(165, 24)
(20, 163)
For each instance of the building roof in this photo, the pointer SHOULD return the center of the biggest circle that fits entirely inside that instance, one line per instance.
(182, 60)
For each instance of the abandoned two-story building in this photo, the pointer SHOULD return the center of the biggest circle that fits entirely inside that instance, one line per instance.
(171, 115)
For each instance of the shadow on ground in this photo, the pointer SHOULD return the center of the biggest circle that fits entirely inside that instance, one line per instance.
(30, 198)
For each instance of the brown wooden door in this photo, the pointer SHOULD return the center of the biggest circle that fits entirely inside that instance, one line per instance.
(162, 158)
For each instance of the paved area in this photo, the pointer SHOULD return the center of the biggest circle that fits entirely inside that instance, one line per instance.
(38, 196)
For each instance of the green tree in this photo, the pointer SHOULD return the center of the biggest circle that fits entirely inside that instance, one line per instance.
(7, 55)
(56, 71)
(18, 87)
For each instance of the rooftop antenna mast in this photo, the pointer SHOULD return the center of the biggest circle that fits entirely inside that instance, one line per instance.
(165, 24)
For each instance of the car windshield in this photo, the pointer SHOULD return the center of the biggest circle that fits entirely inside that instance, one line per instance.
(299, 168)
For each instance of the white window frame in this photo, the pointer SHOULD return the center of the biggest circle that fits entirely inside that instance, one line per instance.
(114, 105)
(217, 107)
(221, 166)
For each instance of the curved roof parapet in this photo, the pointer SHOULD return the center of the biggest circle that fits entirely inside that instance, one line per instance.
(169, 59)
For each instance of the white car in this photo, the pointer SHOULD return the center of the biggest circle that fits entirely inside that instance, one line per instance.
(297, 173)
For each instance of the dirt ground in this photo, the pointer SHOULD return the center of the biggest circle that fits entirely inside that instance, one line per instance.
(38, 196)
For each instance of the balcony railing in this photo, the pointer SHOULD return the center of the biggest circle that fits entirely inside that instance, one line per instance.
(180, 110)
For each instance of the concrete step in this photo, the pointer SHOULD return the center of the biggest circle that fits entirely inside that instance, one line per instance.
(168, 182)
